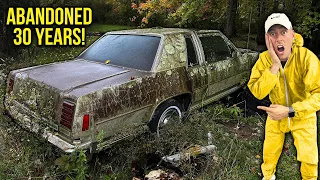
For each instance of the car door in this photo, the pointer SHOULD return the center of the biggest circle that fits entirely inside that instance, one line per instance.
(196, 69)
(222, 62)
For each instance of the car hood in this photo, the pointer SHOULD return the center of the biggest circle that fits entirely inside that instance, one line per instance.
(70, 75)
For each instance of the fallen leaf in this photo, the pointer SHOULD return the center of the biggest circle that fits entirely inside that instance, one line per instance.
(253, 170)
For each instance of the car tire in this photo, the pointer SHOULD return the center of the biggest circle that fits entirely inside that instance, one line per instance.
(164, 113)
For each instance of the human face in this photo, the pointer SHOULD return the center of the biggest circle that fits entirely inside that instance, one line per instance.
(281, 39)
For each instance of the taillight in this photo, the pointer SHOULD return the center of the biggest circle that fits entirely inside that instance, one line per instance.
(10, 87)
(67, 114)
(85, 122)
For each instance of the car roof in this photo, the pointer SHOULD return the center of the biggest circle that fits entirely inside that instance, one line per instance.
(159, 31)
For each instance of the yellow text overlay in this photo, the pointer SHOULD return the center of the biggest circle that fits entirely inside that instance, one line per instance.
(52, 26)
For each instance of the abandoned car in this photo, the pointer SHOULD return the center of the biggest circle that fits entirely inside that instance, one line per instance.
(127, 81)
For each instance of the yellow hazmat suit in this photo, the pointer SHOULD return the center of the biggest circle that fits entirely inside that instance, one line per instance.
(298, 40)
(296, 85)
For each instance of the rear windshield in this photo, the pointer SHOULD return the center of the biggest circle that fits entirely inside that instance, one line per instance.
(132, 51)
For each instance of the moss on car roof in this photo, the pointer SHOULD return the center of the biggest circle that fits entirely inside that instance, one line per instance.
(160, 30)
(152, 31)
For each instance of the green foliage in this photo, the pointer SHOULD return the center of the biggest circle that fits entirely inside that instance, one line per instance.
(222, 111)
(118, 175)
(118, 12)
(23, 155)
(63, 163)
(75, 165)
(235, 111)
(310, 22)
(100, 137)
(82, 168)
(182, 13)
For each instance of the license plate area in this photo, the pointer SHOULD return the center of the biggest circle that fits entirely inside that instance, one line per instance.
(30, 119)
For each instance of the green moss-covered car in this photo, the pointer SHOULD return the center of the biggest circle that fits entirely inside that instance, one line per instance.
(124, 83)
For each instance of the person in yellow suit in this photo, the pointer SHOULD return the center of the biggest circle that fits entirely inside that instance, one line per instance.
(290, 75)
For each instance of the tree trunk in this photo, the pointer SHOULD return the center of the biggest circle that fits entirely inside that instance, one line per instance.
(230, 29)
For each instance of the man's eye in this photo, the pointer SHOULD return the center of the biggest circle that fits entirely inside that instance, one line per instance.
(284, 32)
(272, 34)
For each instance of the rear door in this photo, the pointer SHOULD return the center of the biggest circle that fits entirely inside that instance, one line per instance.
(221, 60)
(196, 69)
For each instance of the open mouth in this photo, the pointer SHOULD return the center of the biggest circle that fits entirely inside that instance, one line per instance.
(280, 48)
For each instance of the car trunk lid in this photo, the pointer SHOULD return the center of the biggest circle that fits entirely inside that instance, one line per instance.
(72, 74)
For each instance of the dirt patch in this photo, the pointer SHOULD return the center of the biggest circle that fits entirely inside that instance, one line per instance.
(244, 131)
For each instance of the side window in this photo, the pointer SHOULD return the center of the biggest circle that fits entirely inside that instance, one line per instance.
(191, 51)
(215, 48)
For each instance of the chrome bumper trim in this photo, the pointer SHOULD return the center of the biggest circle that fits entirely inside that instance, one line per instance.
(29, 120)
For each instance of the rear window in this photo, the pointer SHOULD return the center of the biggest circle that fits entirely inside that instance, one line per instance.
(132, 51)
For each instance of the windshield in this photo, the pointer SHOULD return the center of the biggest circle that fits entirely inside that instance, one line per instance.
(132, 51)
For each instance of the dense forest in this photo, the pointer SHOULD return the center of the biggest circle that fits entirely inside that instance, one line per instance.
(233, 17)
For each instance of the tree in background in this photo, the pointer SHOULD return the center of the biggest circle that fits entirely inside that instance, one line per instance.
(155, 12)
(233, 17)
(102, 10)
(231, 13)
(202, 14)
(120, 13)
(308, 23)
(181, 13)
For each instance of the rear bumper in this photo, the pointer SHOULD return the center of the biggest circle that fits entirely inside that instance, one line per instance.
(62, 144)
(32, 122)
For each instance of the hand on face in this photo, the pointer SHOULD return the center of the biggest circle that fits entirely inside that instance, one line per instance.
(272, 53)
(275, 111)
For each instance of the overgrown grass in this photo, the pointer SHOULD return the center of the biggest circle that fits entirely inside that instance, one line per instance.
(238, 154)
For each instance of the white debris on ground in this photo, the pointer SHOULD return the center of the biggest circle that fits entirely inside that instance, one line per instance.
(161, 174)
(190, 152)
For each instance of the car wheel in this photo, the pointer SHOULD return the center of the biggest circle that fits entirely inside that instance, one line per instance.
(168, 112)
